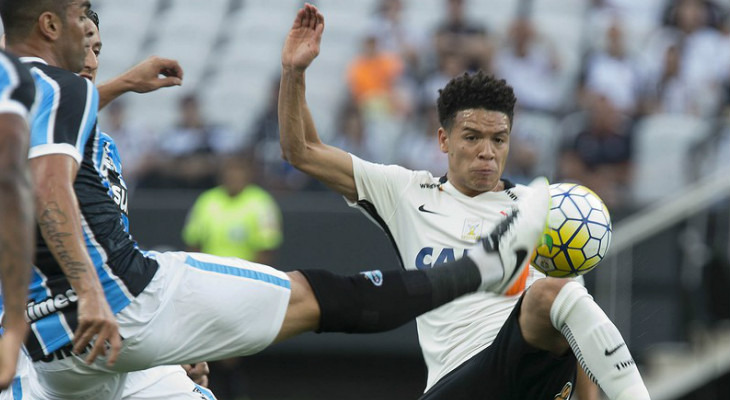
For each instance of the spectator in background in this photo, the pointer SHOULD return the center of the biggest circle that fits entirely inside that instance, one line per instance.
(393, 36)
(702, 62)
(450, 64)
(372, 78)
(235, 219)
(531, 64)
(418, 148)
(187, 153)
(353, 136)
(612, 72)
(134, 141)
(599, 157)
(668, 92)
(264, 142)
(469, 38)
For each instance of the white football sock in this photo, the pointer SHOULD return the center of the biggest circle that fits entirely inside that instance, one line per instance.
(597, 344)
(489, 264)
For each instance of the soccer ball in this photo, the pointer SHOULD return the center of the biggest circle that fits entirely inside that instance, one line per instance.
(577, 235)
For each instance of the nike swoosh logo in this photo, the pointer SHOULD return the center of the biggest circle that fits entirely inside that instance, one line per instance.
(423, 209)
(615, 349)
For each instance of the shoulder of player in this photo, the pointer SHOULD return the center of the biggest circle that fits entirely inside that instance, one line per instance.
(54, 79)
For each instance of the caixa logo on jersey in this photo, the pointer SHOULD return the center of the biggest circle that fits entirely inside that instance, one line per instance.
(430, 257)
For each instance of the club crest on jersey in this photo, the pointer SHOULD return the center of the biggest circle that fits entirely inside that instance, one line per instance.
(565, 393)
(375, 277)
(472, 229)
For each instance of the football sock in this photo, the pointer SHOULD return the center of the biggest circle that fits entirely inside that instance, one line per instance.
(597, 343)
(488, 264)
(376, 301)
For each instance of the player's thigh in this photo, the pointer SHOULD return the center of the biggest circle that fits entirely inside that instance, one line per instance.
(208, 308)
(165, 382)
(72, 379)
(509, 368)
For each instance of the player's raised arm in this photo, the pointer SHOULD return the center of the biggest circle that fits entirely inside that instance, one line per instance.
(300, 143)
(149, 75)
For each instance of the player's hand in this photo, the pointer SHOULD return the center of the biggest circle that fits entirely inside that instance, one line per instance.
(97, 322)
(152, 74)
(198, 372)
(10, 344)
(302, 44)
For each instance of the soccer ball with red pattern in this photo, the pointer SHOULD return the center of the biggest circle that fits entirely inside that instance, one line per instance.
(578, 232)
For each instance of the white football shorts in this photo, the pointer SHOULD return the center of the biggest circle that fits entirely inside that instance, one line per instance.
(198, 307)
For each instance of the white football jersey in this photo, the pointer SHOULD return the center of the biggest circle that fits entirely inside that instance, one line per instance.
(431, 222)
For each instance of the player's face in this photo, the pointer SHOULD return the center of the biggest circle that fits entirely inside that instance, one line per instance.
(91, 63)
(73, 41)
(477, 147)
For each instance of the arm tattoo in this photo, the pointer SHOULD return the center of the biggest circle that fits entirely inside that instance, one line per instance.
(54, 224)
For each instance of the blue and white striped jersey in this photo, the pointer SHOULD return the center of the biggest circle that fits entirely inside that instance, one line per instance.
(17, 90)
(65, 123)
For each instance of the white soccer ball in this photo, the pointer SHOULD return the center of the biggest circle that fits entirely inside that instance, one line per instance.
(578, 232)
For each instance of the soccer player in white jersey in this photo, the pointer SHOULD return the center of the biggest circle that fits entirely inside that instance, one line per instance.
(178, 307)
(484, 345)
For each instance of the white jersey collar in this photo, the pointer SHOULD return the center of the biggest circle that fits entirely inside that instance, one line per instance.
(33, 60)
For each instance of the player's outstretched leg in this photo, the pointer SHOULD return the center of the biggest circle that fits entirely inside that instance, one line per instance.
(377, 301)
(596, 343)
(511, 243)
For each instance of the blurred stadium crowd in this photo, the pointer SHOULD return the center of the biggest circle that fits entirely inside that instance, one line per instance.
(616, 94)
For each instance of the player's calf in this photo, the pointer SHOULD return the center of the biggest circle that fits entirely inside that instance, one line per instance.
(597, 343)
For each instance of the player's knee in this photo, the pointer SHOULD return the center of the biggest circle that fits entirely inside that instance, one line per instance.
(539, 299)
(535, 323)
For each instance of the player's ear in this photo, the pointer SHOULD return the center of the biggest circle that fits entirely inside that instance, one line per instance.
(50, 25)
(443, 140)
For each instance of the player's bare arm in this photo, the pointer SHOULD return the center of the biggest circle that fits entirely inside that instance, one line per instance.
(300, 143)
(59, 220)
(151, 74)
(16, 238)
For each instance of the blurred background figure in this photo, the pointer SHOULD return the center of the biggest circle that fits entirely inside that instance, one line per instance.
(133, 140)
(235, 219)
(458, 32)
(599, 156)
(187, 153)
(238, 218)
(530, 64)
(612, 72)
(372, 77)
(418, 147)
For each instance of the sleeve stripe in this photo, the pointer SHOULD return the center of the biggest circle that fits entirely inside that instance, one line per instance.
(50, 121)
(55, 148)
(85, 128)
(13, 107)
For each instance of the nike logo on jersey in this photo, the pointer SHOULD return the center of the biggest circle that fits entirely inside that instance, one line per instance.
(422, 209)
(615, 349)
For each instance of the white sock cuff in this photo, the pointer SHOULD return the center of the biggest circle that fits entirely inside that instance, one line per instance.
(568, 296)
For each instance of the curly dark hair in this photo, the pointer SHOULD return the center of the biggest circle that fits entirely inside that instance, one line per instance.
(474, 90)
(93, 16)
